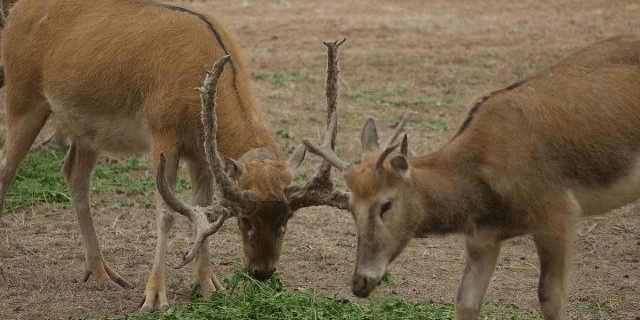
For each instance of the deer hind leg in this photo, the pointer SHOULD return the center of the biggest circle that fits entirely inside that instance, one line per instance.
(482, 252)
(155, 295)
(78, 166)
(24, 117)
(202, 188)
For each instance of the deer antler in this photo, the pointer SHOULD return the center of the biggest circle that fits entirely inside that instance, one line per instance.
(391, 144)
(234, 201)
(3, 20)
(199, 216)
(319, 191)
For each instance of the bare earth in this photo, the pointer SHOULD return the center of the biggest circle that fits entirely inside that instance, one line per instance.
(441, 52)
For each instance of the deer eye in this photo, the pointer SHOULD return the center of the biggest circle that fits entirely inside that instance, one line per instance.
(385, 207)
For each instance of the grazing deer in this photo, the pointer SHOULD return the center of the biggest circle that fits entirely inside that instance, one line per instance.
(531, 158)
(118, 77)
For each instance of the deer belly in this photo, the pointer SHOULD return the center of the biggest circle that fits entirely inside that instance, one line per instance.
(102, 131)
(600, 199)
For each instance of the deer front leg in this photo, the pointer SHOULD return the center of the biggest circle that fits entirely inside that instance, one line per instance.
(481, 253)
(155, 294)
(77, 172)
(554, 251)
(204, 276)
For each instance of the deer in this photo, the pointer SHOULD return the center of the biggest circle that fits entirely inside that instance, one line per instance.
(531, 158)
(117, 77)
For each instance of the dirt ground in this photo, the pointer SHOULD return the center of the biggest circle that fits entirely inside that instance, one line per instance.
(438, 52)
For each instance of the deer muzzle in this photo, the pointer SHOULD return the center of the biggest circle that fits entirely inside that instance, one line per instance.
(362, 285)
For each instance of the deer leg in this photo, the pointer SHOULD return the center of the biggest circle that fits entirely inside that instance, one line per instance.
(482, 251)
(155, 295)
(78, 166)
(554, 251)
(24, 118)
(202, 188)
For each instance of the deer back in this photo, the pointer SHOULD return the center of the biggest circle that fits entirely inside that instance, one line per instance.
(570, 129)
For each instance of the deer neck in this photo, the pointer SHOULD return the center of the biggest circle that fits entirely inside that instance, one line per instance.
(455, 199)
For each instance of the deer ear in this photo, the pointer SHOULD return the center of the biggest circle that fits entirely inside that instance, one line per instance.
(404, 147)
(233, 168)
(369, 137)
(399, 164)
(296, 158)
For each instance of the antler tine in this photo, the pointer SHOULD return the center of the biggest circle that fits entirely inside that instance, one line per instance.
(167, 194)
(204, 232)
(197, 215)
(391, 143)
(399, 128)
(319, 191)
(332, 84)
(3, 20)
(326, 151)
(208, 92)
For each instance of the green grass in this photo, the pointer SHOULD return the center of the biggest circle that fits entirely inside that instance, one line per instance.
(434, 125)
(396, 99)
(601, 306)
(279, 79)
(39, 179)
(247, 298)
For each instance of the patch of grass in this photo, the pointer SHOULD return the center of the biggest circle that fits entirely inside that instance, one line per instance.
(300, 178)
(387, 278)
(39, 179)
(116, 177)
(279, 79)
(434, 125)
(601, 306)
(247, 298)
(283, 134)
(395, 99)
(346, 243)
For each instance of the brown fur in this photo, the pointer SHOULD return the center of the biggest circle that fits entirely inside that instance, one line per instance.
(529, 159)
(118, 77)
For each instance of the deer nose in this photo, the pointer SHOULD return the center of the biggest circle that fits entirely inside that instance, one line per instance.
(362, 286)
(261, 273)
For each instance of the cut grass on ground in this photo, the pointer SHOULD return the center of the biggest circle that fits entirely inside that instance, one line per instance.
(247, 298)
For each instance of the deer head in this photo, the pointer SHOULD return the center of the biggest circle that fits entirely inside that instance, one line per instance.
(256, 191)
(380, 185)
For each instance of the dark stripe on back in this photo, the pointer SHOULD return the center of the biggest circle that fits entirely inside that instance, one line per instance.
(481, 100)
(204, 19)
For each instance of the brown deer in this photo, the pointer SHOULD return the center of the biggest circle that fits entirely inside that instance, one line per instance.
(531, 158)
(118, 76)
